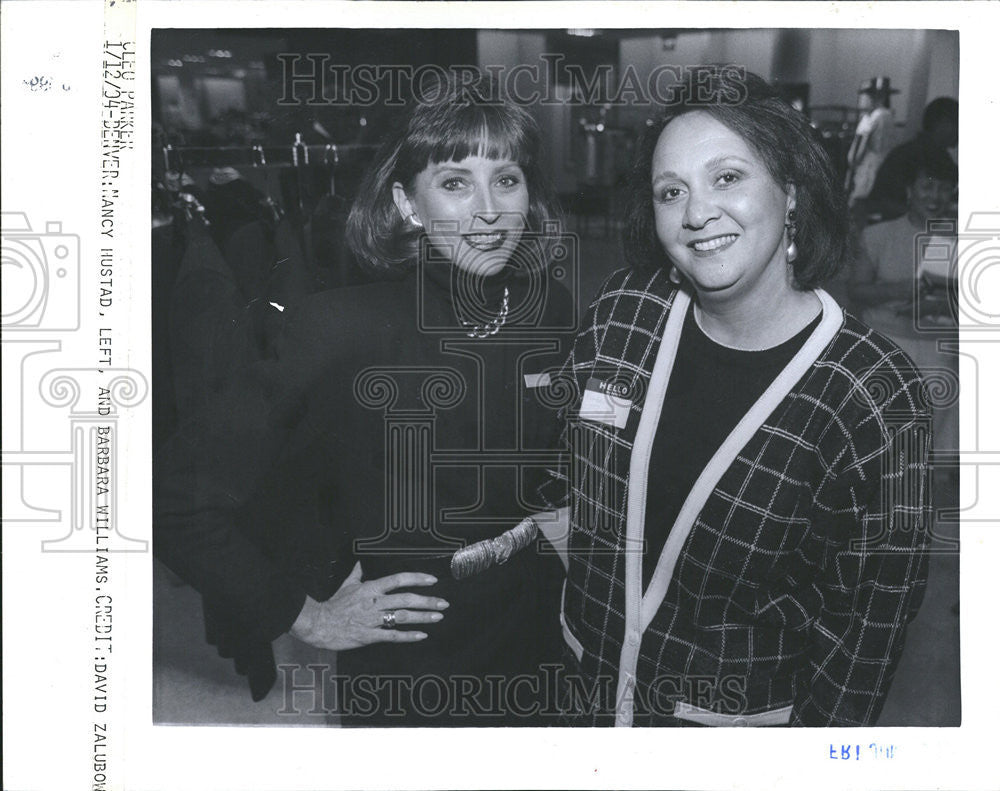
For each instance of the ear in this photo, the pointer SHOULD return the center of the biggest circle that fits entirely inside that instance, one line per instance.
(403, 205)
(790, 199)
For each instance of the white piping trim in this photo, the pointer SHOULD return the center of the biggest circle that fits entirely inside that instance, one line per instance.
(575, 645)
(832, 319)
(685, 711)
(639, 609)
(635, 515)
(828, 326)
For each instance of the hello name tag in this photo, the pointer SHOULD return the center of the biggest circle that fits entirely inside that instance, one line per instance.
(606, 402)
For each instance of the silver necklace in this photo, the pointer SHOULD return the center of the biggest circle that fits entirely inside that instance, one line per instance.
(492, 327)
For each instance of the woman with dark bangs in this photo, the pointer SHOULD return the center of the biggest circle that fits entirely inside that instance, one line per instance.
(367, 490)
(747, 539)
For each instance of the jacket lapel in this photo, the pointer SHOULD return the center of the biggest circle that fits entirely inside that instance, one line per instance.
(723, 458)
(640, 609)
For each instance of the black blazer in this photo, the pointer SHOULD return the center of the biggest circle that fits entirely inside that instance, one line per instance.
(376, 420)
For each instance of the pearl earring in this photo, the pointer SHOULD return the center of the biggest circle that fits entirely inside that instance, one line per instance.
(792, 251)
(674, 275)
(412, 220)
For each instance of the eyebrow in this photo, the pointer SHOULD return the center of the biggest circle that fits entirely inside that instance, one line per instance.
(713, 163)
(442, 167)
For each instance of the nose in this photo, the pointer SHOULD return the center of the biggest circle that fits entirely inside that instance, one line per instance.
(943, 193)
(486, 208)
(699, 210)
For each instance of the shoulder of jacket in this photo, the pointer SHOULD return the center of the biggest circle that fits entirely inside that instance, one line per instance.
(636, 284)
(878, 374)
(352, 303)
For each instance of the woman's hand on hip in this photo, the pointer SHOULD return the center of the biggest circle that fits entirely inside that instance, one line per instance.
(360, 612)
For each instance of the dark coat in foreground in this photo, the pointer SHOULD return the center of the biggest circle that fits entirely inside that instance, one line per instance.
(378, 432)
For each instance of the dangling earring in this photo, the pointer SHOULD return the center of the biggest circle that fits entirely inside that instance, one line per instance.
(412, 220)
(674, 275)
(792, 251)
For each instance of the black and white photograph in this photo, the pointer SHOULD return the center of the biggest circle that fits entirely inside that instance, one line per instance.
(507, 380)
(399, 395)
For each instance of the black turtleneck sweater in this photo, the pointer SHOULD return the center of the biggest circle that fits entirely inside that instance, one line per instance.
(711, 387)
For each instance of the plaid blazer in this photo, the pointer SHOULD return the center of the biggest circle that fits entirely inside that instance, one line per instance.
(786, 583)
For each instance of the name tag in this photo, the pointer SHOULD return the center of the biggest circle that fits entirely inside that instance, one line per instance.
(537, 380)
(606, 402)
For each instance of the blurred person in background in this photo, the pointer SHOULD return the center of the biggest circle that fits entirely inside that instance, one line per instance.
(939, 133)
(872, 138)
(904, 278)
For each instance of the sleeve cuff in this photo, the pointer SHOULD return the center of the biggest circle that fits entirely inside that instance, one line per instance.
(276, 614)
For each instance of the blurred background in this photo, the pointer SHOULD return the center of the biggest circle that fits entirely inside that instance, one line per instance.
(224, 97)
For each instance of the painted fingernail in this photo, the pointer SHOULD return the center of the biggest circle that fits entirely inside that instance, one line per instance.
(442, 604)
(436, 616)
(429, 579)
(420, 635)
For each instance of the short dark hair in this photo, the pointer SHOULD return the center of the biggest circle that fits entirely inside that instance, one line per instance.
(790, 148)
(456, 119)
(932, 163)
(942, 109)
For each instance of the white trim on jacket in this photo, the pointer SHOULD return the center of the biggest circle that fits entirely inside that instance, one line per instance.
(640, 609)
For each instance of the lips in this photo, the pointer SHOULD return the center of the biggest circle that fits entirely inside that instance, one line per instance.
(713, 244)
(485, 241)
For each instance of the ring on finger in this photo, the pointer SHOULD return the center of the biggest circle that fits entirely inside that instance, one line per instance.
(389, 619)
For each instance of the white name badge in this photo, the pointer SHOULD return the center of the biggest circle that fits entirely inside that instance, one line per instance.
(605, 402)
(537, 380)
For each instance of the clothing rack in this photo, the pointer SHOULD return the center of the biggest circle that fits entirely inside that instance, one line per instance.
(309, 186)
(293, 177)
(177, 158)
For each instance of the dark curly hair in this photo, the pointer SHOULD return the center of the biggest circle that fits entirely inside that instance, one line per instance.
(458, 118)
(790, 148)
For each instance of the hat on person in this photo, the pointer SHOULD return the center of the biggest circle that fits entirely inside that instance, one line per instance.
(877, 85)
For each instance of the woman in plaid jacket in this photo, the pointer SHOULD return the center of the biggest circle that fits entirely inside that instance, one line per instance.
(746, 485)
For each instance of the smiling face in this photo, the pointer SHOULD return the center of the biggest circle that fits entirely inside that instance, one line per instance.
(474, 211)
(928, 198)
(719, 213)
